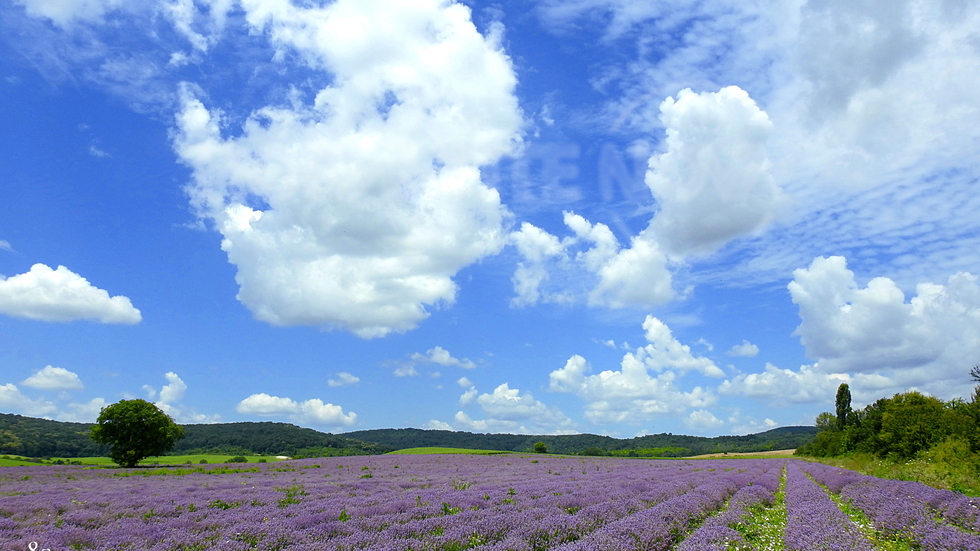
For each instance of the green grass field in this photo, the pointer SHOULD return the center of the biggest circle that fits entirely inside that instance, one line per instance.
(430, 451)
(13, 460)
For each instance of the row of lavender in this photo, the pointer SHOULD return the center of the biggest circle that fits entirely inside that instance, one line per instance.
(934, 519)
(384, 503)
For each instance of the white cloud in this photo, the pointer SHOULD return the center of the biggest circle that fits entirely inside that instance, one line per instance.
(632, 394)
(169, 398)
(440, 356)
(87, 412)
(744, 350)
(781, 387)
(464, 382)
(357, 210)
(618, 277)
(54, 378)
(536, 246)
(749, 425)
(876, 38)
(925, 341)
(705, 343)
(467, 397)
(95, 151)
(343, 379)
(61, 295)
(509, 410)
(435, 424)
(65, 12)
(702, 420)
(312, 411)
(875, 152)
(712, 184)
(406, 371)
(11, 399)
(174, 390)
(5, 245)
(509, 404)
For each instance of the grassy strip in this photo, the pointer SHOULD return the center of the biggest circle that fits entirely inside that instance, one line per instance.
(432, 450)
(764, 528)
(867, 526)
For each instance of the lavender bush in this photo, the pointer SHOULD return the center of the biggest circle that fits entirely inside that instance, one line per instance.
(936, 520)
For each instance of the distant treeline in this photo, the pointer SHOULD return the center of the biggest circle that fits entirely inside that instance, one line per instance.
(655, 445)
(31, 437)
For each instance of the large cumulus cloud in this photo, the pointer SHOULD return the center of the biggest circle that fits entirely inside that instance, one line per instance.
(356, 209)
(633, 394)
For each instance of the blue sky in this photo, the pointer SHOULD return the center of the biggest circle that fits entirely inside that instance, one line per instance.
(601, 216)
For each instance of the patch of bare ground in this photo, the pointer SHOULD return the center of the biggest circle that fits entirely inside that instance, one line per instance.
(770, 453)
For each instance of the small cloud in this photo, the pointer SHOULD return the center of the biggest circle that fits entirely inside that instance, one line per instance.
(62, 295)
(312, 411)
(95, 151)
(440, 356)
(704, 342)
(744, 350)
(434, 424)
(178, 59)
(464, 382)
(5, 245)
(83, 413)
(173, 391)
(169, 397)
(344, 379)
(54, 378)
(607, 343)
(406, 371)
(468, 396)
(11, 399)
(702, 419)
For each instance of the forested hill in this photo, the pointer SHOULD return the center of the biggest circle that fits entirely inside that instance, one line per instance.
(668, 444)
(32, 437)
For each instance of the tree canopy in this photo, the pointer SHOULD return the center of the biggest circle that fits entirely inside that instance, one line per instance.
(843, 403)
(900, 427)
(135, 430)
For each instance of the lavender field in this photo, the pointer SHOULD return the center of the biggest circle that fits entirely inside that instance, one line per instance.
(505, 502)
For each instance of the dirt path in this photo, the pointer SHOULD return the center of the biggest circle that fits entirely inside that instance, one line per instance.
(766, 453)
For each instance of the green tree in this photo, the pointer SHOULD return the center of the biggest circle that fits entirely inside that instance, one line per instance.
(843, 405)
(135, 430)
(912, 422)
(825, 421)
(540, 447)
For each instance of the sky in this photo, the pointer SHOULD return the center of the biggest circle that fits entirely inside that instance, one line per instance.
(614, 217)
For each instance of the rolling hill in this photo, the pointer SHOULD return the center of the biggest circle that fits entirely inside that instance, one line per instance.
(32, 437)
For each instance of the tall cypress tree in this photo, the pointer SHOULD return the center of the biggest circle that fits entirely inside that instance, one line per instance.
(843, 405)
